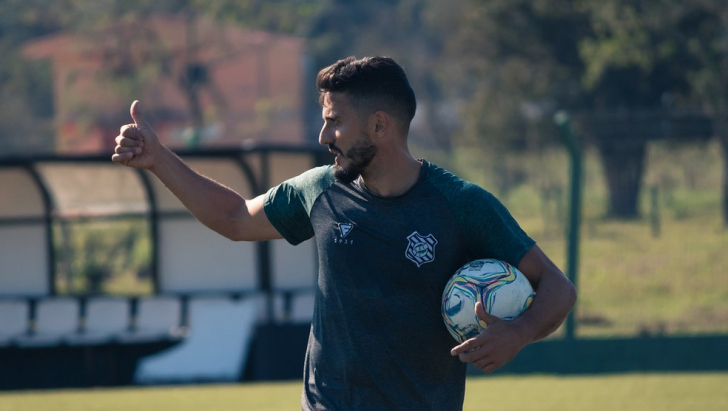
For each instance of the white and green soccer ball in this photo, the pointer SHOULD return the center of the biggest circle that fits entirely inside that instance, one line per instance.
(504, 291)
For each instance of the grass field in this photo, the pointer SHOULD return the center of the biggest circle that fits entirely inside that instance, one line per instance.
(628, 392)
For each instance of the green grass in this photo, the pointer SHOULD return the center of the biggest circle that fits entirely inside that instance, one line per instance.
(672, 284)
(625, 392)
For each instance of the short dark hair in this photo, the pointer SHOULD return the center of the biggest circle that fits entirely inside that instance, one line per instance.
(373, 83)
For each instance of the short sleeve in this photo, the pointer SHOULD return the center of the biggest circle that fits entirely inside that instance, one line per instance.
(288, 205)
(488, 228)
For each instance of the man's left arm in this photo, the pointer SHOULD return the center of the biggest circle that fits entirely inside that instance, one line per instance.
(502, 340)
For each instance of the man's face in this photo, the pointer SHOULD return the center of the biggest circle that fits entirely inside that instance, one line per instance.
(345, 133)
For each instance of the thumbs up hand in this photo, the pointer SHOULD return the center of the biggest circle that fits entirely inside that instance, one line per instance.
(137, 143)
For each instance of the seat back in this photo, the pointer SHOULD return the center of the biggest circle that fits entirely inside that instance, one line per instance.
(158, 313)
(106, 315)
(14, 317)
(215, 349)
(56, 316)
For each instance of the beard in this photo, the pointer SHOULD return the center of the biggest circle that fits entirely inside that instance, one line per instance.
(360, 156)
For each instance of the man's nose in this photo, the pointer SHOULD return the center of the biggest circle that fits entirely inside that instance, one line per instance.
(325, 137)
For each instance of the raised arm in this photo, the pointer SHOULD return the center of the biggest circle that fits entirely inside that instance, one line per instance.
(216, 206)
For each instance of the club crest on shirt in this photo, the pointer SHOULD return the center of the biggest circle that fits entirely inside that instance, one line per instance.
(342, 231)
(420, 249)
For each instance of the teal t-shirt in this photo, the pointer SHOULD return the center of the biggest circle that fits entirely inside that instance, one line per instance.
(377, 338)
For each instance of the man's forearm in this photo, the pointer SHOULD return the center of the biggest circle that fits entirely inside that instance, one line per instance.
(213, 204)
(555, 297)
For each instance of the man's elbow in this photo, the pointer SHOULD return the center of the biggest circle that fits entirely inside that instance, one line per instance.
(249, 230)
(234, 236)
(237, 234)
(563, 288)
(231, 228)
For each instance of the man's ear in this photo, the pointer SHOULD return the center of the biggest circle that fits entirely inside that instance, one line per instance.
(380, 122)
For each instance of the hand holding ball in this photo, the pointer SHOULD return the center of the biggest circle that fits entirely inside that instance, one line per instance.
(503, 290)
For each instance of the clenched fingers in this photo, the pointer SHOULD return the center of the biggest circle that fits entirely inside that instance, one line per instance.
(131, 131)
(133, 150)
(128, 144)
(124, 141)
(122, 158)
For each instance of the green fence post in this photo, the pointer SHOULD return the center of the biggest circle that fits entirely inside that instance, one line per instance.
(572, 252)
(655, 211)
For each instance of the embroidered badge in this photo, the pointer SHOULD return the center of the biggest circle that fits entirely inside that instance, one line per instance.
(345, 229)
(420, 249)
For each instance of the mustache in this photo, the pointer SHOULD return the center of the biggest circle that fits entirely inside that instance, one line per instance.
(335, 149)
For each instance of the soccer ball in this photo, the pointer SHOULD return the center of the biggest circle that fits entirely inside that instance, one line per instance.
(504, 291)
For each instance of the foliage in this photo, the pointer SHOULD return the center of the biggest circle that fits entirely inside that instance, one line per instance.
(587, 54)
(494, 62)
(26, 102)
(680, 46)
(103, 257)
(524, 59)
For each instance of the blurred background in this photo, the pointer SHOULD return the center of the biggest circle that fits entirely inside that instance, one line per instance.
(602, 125)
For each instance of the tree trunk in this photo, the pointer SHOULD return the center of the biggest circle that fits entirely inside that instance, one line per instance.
(623, 168)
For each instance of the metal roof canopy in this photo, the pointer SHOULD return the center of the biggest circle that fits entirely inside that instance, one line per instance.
(186, 257)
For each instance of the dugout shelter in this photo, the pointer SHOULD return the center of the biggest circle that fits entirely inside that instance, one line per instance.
(211, 307)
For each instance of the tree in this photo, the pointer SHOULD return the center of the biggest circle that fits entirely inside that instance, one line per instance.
(601, 60)
(638, 59)
(708, 44)
(26, 108)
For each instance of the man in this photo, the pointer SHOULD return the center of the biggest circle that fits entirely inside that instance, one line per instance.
(390, 231)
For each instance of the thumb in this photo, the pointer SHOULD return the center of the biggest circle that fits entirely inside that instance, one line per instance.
(483, 315)
(136, 114)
